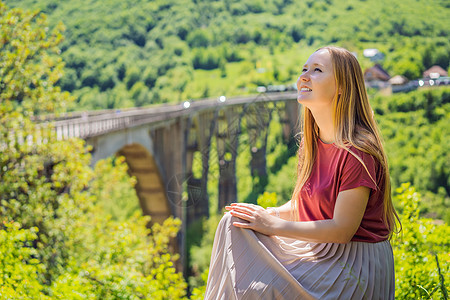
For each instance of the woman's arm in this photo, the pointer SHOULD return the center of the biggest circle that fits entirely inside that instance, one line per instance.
(348, 213)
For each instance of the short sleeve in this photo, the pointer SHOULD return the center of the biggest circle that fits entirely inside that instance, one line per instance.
(354, 174)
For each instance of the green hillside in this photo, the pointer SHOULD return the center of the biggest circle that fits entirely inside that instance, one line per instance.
(135, 53)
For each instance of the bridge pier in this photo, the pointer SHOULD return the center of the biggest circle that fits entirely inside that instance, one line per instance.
(227, 139)
(170, 151)
(289, 116)
(258, 117)
(201, 129)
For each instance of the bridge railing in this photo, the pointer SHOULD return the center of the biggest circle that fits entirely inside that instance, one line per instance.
(88, 124)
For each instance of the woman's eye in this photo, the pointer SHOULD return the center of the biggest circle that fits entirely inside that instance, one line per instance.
(304, 70)
(317, 69)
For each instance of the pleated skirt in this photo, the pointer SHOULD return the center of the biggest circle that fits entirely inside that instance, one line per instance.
(248, 265)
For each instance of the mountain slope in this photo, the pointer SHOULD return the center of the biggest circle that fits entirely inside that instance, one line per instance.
(135, 53)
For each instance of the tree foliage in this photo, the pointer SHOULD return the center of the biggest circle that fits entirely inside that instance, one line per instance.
(18, 269)
(112, 47)
(418, 150)
(421, 252)
(54, 221)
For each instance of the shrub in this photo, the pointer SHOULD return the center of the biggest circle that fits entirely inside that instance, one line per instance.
(420, 252)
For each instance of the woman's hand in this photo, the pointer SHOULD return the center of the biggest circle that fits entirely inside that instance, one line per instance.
(257, 218)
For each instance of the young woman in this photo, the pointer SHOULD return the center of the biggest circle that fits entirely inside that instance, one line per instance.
(331, 240)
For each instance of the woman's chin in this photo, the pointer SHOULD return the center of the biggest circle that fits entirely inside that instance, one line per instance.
(302, 99)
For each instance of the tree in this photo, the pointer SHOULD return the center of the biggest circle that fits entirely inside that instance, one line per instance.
(17, 279)
(48, 188)
(420, 252)
(36, 178)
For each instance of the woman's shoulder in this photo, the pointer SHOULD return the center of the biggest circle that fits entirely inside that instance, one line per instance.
(364, 145)
(353, 157)
(361, 152)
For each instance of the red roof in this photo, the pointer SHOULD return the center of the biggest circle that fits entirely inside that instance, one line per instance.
(435, 72)
(376, 73)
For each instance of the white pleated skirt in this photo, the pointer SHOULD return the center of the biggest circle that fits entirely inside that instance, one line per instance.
(248, 265)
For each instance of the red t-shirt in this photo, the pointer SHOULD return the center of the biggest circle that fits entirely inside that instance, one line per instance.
(337, 170)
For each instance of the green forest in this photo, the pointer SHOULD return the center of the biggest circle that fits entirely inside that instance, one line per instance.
(135, 53)
(80, 229)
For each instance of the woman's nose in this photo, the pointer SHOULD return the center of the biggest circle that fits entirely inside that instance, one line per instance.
(300, 79)
(304, 77)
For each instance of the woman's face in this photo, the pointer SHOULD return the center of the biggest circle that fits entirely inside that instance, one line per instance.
(317, 85)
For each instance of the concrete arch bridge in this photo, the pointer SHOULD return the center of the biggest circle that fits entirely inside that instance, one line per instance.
(159, 144)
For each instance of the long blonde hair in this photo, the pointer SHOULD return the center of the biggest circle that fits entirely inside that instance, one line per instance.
(354, 126)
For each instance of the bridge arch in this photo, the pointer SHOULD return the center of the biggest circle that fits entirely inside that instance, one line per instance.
(150, 187)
